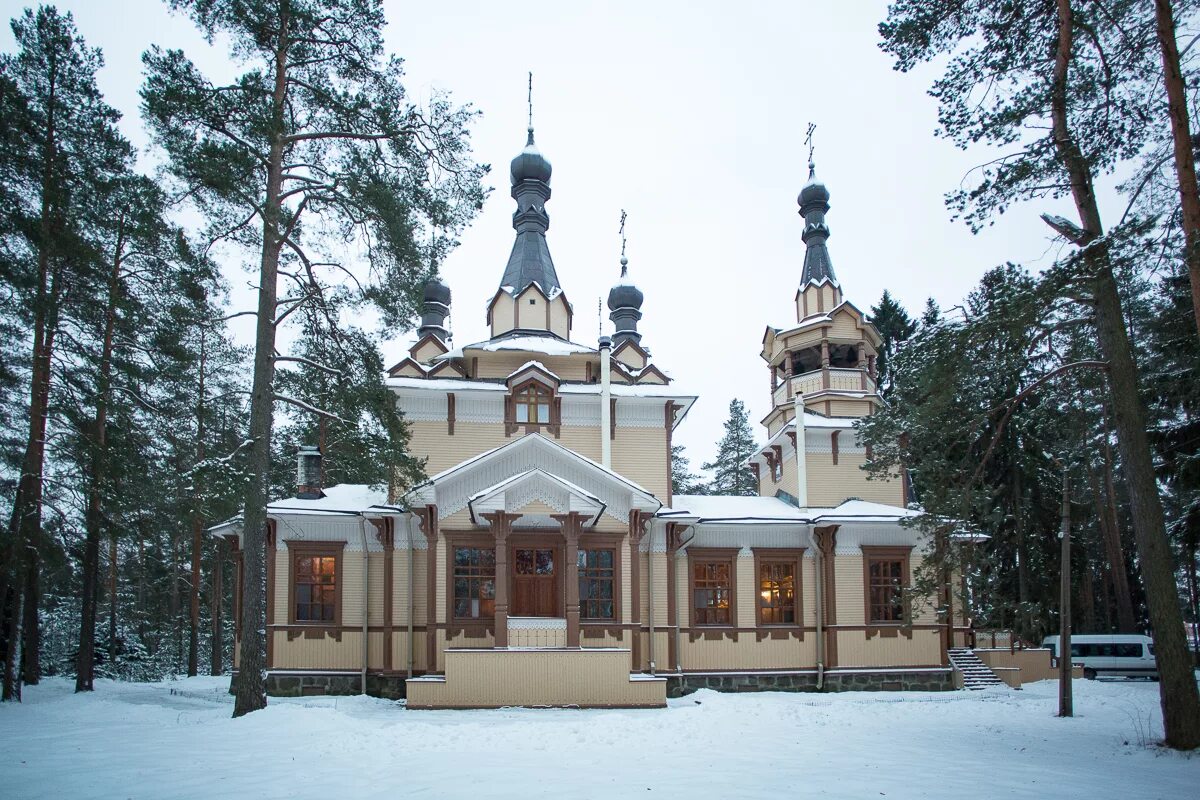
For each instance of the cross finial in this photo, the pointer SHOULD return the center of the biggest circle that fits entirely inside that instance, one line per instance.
(530, 99)
(624, 260)
(808, 140)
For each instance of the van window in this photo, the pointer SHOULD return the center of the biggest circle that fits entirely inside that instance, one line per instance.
(1150, 648)
(1127, 650)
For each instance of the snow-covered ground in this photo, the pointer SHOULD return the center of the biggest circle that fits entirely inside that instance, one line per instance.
(176, 740)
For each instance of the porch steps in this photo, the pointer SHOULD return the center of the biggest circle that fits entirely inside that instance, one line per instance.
(976, 674)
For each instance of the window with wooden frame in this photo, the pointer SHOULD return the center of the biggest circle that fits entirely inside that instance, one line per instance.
(886, 577)
(474, 583)
(315, 589)
(713, 588)
(597, 589)
(532, 404)
(778, 576)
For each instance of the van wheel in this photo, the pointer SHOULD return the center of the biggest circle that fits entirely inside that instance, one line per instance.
(1089, 673)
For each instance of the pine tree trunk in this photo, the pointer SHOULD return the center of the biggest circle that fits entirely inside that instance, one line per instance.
(216, 665)
(31, 668)
(1178, 694)
(85, 659)
(1115, 554)
(1185, 164)
(250, 687)
(197, 520)
(112, 597)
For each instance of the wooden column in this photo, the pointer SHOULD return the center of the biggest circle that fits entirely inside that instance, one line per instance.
(674, 540)
(826, 542)
(638, 521)
(571, 525)
(500, 524)
(385, 532)
(428, 521)
(271, 577)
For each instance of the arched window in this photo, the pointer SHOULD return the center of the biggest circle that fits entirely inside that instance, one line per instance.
(532, 404)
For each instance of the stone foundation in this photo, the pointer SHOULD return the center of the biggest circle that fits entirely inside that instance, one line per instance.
(289, 684)
(935, 680)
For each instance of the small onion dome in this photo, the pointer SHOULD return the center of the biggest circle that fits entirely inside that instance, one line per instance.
(436, 291)
(814, 191)
(624, 294)
(530, 164)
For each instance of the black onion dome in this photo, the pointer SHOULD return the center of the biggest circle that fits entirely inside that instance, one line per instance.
(813, 192)
(624, 294)
(530, 164)
(436, 291)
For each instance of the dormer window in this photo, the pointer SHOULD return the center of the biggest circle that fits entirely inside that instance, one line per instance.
(532, 404)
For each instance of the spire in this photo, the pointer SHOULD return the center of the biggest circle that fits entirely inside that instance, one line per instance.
(530, 260)
(435, 308)
(814, 203)
(625, 300)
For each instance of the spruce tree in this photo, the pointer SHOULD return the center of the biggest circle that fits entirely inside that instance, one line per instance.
(683, 480)
(731, 475)
(895, 328)
(315, 160)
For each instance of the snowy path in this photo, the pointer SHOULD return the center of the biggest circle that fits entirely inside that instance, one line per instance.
(142, 741)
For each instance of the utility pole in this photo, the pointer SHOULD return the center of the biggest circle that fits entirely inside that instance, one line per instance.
(1065, 700)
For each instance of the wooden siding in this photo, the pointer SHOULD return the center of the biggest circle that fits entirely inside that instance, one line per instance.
(497, 678)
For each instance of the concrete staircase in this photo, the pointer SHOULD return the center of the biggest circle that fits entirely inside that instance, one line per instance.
(976, 675)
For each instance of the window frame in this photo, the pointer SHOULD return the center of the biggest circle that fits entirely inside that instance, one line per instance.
(553, 407)
(320, 549)
(475, 543)
(889, 554)
(792, 556)
(714, 555)
(599, 546)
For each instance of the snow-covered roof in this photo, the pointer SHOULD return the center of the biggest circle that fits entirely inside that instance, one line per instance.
(586, 500)
(547, 345)
(760, 510)
(345, 498)
(534, 365)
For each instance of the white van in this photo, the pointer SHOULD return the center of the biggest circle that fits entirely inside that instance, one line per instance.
(1119, 654)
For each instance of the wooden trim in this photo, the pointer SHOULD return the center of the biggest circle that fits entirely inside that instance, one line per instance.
(571, 524)
(270, 569)
(887, 553)
(450, 413)
(833, 445)
(826, 540)
(500, 524)
(511, 425)
(427, 519)
(638, 523)
(386, 534)
(310, 549)
(772, 555)
(713, 555)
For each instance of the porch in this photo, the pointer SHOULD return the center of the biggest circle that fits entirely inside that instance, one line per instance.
(537, 677)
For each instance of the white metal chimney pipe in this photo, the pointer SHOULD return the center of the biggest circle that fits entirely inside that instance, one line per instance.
(605, 403)
(801, 460)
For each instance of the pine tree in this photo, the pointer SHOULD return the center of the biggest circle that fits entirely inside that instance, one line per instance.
(731, 474)
(1093, 92)
(60, 145)
(895, 328)
(314, 147)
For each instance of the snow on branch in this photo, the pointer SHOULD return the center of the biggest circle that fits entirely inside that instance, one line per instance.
(309, 362)
(309, 408)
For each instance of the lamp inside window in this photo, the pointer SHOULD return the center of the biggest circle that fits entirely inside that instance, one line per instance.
(532, 405)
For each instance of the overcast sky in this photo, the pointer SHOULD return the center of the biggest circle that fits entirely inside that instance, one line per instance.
(691, 116)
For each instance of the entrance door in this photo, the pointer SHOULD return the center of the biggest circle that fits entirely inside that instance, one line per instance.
(535, 582)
